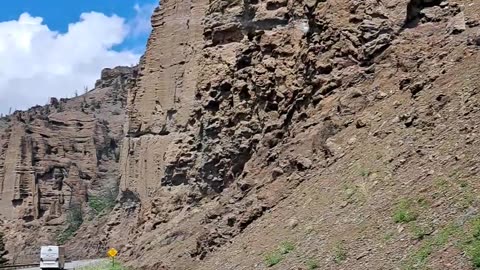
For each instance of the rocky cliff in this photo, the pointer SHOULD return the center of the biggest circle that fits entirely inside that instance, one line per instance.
(54, 158)
(306, 134)
(344, 128)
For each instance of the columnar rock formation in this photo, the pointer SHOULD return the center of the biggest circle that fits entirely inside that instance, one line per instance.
(54, 156)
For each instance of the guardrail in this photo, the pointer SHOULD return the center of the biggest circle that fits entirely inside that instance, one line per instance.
(18, 266)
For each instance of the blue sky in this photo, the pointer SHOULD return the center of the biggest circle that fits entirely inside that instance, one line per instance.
(54, 48)
(57, 14)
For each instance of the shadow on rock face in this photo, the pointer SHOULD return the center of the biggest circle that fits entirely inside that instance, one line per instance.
(414, 9)
(129, 200)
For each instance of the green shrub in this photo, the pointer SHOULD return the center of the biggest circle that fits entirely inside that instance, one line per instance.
(473, 252)
(339, 253)
(466, 237)
(273, 258)
(419, 232)
(277, 256)
(404, 213)
(286, 248)
(104, 202)
(419, 258)
(472, 245)
(311, 265)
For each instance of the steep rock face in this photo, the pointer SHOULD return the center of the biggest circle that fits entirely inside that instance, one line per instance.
(161, 104)
(53, 157)
(243, 105)
(260, 63)
(253, 122)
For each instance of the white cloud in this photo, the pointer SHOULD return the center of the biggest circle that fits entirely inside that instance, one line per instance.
(37, 63)
(141, 23)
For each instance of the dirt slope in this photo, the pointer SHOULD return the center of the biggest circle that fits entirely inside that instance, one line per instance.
(396, 190)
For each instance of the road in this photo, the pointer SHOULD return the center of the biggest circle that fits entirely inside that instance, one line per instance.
(75, 264)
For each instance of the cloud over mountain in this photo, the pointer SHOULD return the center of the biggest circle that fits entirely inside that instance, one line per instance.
(38, 63)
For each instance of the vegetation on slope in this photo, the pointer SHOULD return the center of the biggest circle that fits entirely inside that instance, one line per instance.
(103, 203)
(74, 221)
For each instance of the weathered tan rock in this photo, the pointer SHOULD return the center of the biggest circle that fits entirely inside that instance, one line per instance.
(54, 156)
(243, 116)
(270, 84)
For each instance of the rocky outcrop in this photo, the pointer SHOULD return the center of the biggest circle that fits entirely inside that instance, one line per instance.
(160, 106)
(53, 157)
(239, 86)
(239, 102)
(332, 126)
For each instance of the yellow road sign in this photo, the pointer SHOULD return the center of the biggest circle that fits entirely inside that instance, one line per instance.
(112, 252)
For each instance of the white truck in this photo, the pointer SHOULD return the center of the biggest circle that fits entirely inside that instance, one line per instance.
(52, 257)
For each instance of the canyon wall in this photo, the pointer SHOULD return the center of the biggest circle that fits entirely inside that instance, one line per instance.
(274, 133)
(54, 157)
(242, 105)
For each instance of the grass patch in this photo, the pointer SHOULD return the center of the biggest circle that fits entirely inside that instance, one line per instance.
(100, 204)
(465, 237)
(463, 194)
(339, 253)
(463, 184)
(312, 264)
(442, 237)
(286, 248)
(419, 258)
(419, 232)
(442, 183)
(104, 266)
(471, 247)
(467, 199)
(277, 256)
(404, 212)
(473, 252)
(273, 258)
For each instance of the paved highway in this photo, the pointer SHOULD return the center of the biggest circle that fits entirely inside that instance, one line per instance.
(75, 265)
